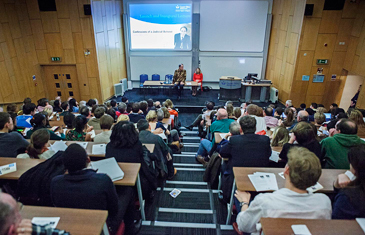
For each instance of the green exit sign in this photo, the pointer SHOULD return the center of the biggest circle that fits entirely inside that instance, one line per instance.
(55, 59)
(322, 61)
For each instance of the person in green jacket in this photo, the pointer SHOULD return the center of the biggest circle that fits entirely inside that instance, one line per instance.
(221, 124)
(335, 148)
(39, 122)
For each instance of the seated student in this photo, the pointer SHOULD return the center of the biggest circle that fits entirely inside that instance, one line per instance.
(113, 104)
(350, 201)
(150, 105)
(123, 118)
(43, 104)
(26, 101)
(57, 106)
(269, 119)
(86, 112)
(278, 113)
(237, 112)
(10, 143)
(136, 114)
(230, 113)
(12, 222)
(357, 117)
(304, 135)
(65, 107)
(73, 105)
(39, 122)
(83, 188)
(90, 103)
(169, 105)
(199, 121)
(68, 119)
(166, 114)
(302, 171)
(122, 109)
(255, 111)
(95, 121)
(172, 135)
(106, 123)
(289, 120)
(28, 113)
(280, 137)
(80, 131)
(38, 147)
(143, 106)
(111, 113)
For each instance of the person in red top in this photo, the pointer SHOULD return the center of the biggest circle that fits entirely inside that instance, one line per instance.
(198, 77)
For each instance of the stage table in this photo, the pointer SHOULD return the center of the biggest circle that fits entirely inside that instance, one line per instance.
(229, 88)
(74, 221)
(251, 90)
(243, 183)
(278, 226)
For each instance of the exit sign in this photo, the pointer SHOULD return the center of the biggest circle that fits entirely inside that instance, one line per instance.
(322, 61)
(55, 59)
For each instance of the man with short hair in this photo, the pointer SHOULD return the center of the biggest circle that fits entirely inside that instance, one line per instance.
(86, 112)
(161, 150)
(288, 104)
(136, 114)
(65, 107)
(179, 80)
(13, 143)
(249, 149)
(260, 121)
(294, 201)
(302, 116)
(11, 221)
(221, 124)
(83, 188)
(29, 110)
(335, 148)
(269, 119)
(143, 106)
(95, 121)
(150, 105)
(314, 107)
(106, 123)
(113, 103)
(278, 113)
(122, 109)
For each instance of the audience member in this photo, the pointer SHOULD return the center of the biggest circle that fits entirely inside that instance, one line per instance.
(278, 113)
(350, 201)
(150, 105)
(26, 101)
(123, 118)
(39, 121)
(337, 117)
(230, 114)
(136, 114)
(200, 120)
(237, 113)
(68, 119)
(169, 105)
(38, 147)
(80, 131)
(111, 112)
(302, 117)
(357, 117)
(73, 105)
(11, 221)
(86, 112)
(305, 137)
(65, 108)
(11, 144)
(113, 104)
(249, 149)
(288, 104)
(302, 171)
(335, 149)
(85, 189)
(122, 109)
(95, 121)
(29, 110)
(57, 106)
(269, 119)
(254, 111)
(106, 123)
(143, 106)
(43, 105)
(91, 103)
(125, 100)
(161, 150)
(221, 124)
(280, 137)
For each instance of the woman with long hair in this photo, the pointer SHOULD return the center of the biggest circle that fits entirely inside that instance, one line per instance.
(280, 136)
(80, 130)
(357, 117)
(197, 77)
(350, 201)
(38, 147)
(289, 120)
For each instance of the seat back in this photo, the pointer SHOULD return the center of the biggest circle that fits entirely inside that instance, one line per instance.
(143, 78)
(155, 77)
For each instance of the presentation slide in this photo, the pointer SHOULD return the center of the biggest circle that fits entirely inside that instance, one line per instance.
(160, 26)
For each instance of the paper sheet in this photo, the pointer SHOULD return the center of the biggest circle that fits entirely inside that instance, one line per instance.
(99, 149)
(59, 146)
(300, 229)
(82, 144)
(6, 169)
(263, 181)
(223, 135)
(188, 83)
(92, 134)
(53, 221)
(274, 156)
(315, 188)
(26, 130)
(271, 178)
(110, 167)
(281, 174)
(163, 136)
(361, 222)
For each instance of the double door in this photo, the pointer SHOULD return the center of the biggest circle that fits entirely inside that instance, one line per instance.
(62, 81)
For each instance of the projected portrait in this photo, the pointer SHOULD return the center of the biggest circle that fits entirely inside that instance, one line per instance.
(182, 39)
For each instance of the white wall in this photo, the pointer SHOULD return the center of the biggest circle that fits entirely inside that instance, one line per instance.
(351, 86)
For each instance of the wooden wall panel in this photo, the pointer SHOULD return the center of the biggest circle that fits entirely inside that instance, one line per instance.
(325, 46)
(330, 22)
(50, 22)
(66, 33)
(310, 34)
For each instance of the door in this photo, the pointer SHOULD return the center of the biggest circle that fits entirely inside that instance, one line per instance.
(62, 81)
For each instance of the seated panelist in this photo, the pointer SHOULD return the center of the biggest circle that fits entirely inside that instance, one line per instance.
(179, 80)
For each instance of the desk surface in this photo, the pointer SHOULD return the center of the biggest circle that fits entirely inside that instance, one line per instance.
(230, 78)
(161, 83)
(244, 184)
(75, 221)
(258, 84)
(22, 165)
(279, 226)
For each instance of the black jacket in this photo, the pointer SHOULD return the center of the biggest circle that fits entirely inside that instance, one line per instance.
(248, 150)
(312, 146)
(212, 172)
(135, 117)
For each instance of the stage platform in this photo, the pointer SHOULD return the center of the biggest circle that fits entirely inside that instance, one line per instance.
(187, 103)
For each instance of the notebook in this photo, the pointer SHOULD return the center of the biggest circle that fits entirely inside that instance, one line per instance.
(110, 167)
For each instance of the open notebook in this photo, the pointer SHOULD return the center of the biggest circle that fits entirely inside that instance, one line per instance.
(110, 167)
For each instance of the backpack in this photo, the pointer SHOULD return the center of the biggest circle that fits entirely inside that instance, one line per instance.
(34, 186)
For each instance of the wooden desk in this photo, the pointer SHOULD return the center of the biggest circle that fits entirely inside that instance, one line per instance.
(22, 165)
(277, 226)
(75, 221)
(244, 184)
(161, 83)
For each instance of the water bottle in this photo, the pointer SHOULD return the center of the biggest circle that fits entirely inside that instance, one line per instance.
(58, 117)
